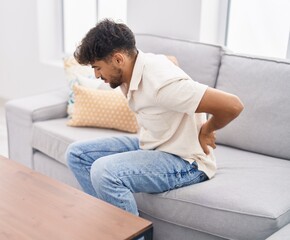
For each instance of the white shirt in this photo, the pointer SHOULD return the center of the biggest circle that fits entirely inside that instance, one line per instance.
(165, 99)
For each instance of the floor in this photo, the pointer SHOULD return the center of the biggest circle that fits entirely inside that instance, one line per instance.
(3, 131)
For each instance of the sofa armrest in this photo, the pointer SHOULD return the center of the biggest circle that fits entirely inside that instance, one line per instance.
(22, 113)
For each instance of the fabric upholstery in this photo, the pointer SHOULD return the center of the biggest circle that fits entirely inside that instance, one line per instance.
(170, 230)
(282, 234)
(249, 198)
(263, 86)
(56, 170)
(52, 137)
(22, 113)
(200, 61)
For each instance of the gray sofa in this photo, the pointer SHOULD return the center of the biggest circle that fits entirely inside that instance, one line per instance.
(248, 199)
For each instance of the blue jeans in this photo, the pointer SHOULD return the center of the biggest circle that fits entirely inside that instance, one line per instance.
(112, 169)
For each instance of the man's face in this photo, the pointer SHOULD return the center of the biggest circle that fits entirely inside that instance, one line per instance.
(109, 72)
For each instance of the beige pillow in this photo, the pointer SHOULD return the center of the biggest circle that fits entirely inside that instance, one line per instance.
(101, 108)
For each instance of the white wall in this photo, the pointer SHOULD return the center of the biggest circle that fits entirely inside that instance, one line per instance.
(172, 18)
(22, 72)
(213, 21)
(196, 20)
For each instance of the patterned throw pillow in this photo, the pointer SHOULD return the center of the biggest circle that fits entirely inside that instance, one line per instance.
(80, 75)
(101, 108)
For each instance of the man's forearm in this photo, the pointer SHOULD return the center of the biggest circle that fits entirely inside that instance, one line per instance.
(227, 110)
(220, 120)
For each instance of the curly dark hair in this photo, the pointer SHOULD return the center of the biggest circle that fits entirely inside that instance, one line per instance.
(103, 40)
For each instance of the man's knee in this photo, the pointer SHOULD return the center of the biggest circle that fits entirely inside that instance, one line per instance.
(99, 168)
(72, 154)
(103, 172)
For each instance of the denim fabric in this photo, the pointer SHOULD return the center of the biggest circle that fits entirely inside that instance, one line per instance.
(112, 169)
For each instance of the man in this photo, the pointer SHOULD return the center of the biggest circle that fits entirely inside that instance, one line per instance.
(176, 141)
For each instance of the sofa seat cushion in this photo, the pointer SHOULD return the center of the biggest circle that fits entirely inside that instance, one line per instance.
(52, 137)
(249, 198)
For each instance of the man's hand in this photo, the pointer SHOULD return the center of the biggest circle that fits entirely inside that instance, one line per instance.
(223, 107)
(206, 138)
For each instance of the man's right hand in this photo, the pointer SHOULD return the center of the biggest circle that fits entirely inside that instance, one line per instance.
(206, 138)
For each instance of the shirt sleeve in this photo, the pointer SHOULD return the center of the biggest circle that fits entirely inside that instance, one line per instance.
(181, 95)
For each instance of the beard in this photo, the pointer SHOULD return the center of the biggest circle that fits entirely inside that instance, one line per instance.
(115, 79)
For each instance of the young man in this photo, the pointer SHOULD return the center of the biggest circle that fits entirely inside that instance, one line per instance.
(176, 141)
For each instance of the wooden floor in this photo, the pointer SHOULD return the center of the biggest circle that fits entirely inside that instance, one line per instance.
(3, 131)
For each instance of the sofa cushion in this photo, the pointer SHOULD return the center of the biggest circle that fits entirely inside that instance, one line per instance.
(101, 108)
(263, 86)
(200, 61)
(53, 137)
(249, 198)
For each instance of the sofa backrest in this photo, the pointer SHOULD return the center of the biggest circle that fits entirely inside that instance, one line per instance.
(264, 87)
(200, 61)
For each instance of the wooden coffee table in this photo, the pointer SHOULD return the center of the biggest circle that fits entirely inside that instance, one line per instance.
(36, 207)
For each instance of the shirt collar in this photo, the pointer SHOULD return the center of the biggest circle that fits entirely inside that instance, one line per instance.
(137, 71)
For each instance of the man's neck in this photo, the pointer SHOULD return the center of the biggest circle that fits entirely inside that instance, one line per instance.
(128, 73)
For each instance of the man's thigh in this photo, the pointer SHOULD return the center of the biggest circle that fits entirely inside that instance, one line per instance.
(91, 150)
(148, 171)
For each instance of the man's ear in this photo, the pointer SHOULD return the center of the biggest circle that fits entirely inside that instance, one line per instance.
(119, 58)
